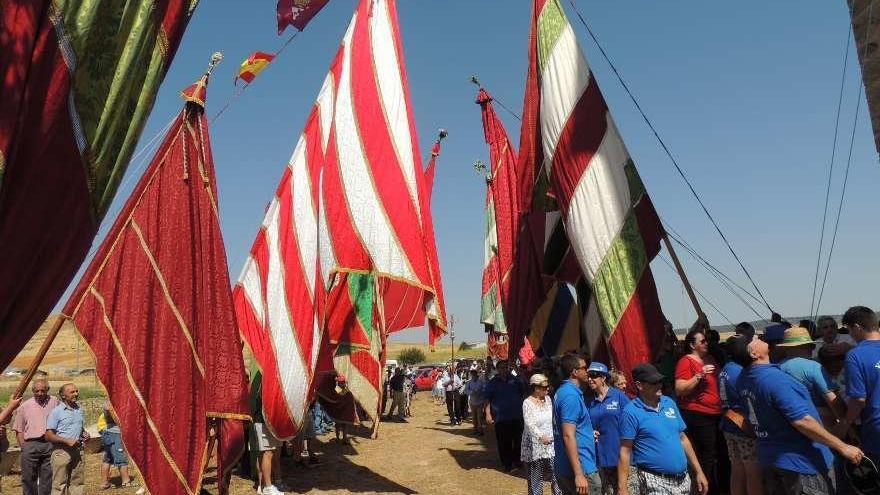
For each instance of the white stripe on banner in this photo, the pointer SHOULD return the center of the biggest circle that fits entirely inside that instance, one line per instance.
(600, 202)
(325, 242)
(563, 82)
(392, 95)
(325, 109)
(305, 222)
(290, 367)
(253, 289)
(369, 216)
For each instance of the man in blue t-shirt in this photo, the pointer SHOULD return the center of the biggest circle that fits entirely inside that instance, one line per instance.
(862, 367)
(504, 397)
(792, 443)
(575, 445)
(652, 439)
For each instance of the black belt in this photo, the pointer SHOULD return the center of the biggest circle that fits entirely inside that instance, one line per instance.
(670, 476)
(36, 439)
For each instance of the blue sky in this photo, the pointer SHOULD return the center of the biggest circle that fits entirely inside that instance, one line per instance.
(745, 97)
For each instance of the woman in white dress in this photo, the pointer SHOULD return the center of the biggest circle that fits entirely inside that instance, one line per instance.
(537, 441)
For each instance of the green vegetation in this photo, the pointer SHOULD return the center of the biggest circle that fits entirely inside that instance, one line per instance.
(411, 355)
(85, 393)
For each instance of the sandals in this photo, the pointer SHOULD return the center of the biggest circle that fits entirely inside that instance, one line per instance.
(130, 484)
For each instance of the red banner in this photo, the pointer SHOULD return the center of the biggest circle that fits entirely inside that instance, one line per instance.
(155, 308)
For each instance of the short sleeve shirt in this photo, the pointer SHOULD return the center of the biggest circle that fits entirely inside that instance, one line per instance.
(66, 421)
(505, 398)
(605, 415)
(730, 398)
(30, 420)
(569, 407)
(862, 367)
(705, 398)
(811, 374)
(773, 400)
(655, 434)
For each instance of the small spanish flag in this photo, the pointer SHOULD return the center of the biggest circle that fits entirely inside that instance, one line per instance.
(253, 66)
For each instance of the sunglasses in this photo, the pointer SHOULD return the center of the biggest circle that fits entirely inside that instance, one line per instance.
(595, 375)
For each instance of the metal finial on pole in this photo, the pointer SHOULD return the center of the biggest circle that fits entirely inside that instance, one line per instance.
(216, 58)
(442, 133)
(476, 80)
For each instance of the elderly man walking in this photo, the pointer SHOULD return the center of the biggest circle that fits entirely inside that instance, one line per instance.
(30, 431)
(64, 428)
(652, 439)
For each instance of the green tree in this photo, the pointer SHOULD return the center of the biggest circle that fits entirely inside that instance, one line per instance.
(411, 355)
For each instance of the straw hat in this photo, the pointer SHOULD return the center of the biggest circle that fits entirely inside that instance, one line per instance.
(538, 379)
(796, 336)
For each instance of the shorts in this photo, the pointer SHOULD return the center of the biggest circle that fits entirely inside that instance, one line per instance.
(263, 440)
(664, 484)
(785, 482)
(740, 448)
(114, 452)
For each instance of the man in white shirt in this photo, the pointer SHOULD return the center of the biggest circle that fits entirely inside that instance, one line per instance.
(451, 386)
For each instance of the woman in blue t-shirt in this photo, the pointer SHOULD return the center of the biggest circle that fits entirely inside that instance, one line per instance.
(605, 409)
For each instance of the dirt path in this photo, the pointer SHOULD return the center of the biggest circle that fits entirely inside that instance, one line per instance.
(425, 456)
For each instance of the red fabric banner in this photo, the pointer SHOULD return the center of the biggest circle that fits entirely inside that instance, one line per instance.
(52, 160)
(297, 13)
(155, 308)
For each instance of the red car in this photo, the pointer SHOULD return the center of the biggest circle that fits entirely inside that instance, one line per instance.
(426, 377)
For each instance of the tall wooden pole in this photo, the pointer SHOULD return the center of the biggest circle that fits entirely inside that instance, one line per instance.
(38, 359)
(684, 280)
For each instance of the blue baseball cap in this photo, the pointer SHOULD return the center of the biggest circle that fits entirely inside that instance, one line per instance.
(597, 367)
(774, 332)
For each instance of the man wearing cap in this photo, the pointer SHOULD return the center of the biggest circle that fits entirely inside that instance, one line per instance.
(793, 446)
(652, 439)
(796, 349)
(863, 378)
(575, 463)
(504, 397)
(606, 407)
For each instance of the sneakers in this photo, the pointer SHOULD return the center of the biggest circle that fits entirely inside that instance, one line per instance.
(271, 490)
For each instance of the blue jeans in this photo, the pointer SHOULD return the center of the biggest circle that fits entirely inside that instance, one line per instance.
(114, 452)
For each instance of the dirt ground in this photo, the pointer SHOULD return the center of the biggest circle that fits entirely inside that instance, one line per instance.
(425, 455)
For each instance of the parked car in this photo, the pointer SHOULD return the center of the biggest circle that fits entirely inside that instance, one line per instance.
(426, 377)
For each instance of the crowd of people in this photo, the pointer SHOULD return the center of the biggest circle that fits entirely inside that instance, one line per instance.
(794, 410)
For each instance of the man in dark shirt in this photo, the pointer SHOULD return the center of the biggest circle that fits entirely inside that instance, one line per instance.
(504, 396)
(397, 398)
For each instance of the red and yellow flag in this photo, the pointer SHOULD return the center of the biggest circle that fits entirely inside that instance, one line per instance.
(253, 65)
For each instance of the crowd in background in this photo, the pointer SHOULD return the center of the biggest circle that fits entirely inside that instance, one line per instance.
(793, 410)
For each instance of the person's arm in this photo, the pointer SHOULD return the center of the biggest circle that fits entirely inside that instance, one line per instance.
(686, 386)
(623, 467)
(702, 482)
(54, 438)
(814, 430)
(6, 413)
(837, 407)
(569, 440)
